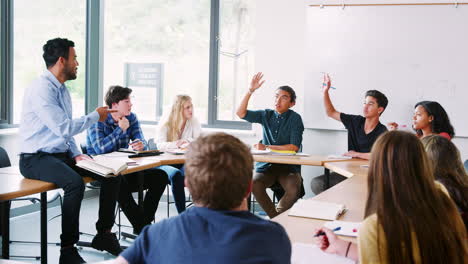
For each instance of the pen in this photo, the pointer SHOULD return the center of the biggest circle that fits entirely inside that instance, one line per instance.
(324, 84)
(321, 233)
(134, 141)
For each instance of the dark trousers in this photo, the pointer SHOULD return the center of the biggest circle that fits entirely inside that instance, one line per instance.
(155, 181)
(60, 169)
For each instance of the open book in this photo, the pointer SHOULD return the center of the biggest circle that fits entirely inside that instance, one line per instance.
(316, 209)
(104, 166)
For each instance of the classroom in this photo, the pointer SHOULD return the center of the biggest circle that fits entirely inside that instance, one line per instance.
(215, 60)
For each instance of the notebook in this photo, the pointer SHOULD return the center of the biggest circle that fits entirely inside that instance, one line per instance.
(317, 209)
(310, 253)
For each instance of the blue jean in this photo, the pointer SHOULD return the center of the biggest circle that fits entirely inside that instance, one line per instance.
(175, 174)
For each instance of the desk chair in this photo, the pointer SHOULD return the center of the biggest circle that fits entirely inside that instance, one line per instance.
(51, 197)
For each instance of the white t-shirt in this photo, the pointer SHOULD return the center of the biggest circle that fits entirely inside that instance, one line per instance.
(192, 130)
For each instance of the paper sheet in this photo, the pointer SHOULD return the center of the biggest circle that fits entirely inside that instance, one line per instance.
(309, 253)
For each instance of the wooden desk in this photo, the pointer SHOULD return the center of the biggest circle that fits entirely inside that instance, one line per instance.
(311, 160)
(14, 185)
(349, 168)
(351, 192)
(145, 163)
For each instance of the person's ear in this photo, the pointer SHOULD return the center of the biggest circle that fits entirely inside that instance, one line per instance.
(249, 189)
(380, 110)
(431, 118)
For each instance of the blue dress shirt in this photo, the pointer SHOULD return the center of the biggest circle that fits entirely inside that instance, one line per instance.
(46, 118)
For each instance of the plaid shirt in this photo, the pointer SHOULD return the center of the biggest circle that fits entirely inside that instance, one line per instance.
(107, 136)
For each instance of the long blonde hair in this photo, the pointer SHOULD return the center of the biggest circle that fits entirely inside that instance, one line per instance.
(175, 119)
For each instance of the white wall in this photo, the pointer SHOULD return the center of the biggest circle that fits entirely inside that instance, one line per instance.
(280, 54)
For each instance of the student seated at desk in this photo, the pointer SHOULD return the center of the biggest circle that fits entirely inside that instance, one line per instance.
(219, 228)
(116, 132)
(409, 217)
(449, 170)
(282, 130)
(49, 151)
(363, 130)
(430, 118)
(175, 132)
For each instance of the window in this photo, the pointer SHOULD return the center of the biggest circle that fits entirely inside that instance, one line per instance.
(159, 49)
(35, 22)
(235, 56)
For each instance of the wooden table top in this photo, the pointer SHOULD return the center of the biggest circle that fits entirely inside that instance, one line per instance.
(351, 192)
(349, 168)
(310, 160)
(14, 185)
(145, 163)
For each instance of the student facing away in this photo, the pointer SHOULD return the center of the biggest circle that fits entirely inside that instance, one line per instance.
(409, 217)
(363, 130)
(175, 131)
(282, 130)
(448, 170)
(121, 129)
(219, 228)
(430, 118)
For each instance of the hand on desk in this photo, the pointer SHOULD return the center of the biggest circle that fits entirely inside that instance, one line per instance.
(137, 145)
(259, 146)
(329, 242)
(182, 143)
(82, 157)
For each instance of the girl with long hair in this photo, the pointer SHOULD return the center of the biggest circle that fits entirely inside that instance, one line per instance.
(409, 218)
(176, 131)
(449, 170)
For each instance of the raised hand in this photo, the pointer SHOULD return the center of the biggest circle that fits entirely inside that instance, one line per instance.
(326, 83)
(256, 82)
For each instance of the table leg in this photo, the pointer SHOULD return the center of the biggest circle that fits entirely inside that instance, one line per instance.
(327, 178)
(44, 228)
(5, 221)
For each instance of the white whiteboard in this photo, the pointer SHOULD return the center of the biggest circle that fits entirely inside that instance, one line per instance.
(410, 53)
